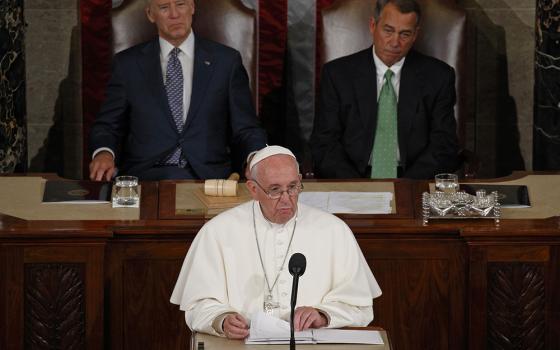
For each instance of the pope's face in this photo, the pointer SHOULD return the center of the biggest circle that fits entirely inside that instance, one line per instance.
(393, 34)
(173, 18)
(276, 172)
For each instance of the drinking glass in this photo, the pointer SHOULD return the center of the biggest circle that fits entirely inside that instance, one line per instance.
(447, 183)
(126, 191)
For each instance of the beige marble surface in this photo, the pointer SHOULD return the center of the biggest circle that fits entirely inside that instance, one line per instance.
(21, 197)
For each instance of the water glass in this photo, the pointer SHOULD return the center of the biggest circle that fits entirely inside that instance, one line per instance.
(126, 191)
(447, 183)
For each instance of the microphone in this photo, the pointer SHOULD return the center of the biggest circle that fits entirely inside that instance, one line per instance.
(296, 266)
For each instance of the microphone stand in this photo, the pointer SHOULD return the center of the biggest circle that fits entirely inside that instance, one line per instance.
(293, 306)
(296, 266)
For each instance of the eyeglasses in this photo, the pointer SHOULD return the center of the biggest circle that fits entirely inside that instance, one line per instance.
(277, 192)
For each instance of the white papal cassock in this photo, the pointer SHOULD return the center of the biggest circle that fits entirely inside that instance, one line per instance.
(222, 271)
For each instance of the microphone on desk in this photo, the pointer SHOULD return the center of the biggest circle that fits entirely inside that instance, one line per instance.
(296, 266)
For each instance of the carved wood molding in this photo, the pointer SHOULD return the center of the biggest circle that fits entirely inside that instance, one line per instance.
(516, 306)
(54, 306)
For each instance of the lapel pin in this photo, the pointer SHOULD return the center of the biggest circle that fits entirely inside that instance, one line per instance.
(207, 63)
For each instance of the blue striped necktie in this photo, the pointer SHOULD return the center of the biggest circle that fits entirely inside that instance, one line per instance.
(174, 90)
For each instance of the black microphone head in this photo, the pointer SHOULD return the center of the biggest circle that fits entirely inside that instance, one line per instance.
(297, 264)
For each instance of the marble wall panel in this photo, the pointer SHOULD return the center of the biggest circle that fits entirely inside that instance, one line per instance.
(500, 59)
(44, 161)
(498, 4)
(51, 4)
(54, 80)
(12, 87)
(547, 85)
(486, 139)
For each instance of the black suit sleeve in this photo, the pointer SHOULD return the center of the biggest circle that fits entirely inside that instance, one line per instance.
(440, 155)
(111, 122)
(247, 135)
(329, 156)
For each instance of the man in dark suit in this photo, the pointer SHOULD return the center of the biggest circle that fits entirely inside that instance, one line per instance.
(176, 106)
(422, 139)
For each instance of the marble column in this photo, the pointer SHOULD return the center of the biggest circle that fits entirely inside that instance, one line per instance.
(12, 88)
(546, 134)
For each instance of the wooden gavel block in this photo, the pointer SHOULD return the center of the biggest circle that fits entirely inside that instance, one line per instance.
(221, 187)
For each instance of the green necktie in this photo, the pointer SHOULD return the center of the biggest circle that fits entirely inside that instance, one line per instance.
(384, 153)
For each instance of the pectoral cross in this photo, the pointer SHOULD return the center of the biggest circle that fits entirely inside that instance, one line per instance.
(270, 305)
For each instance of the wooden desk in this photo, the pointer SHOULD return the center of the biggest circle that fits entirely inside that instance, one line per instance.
(448, 285)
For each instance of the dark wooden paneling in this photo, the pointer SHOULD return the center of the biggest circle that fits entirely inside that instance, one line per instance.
(477, 299)
(423, 292)
(12, 278)
(552, 285)
(513, 290)
(54, 284)
(142, 278)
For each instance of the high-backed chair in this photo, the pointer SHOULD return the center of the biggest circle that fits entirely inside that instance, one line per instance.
(442, 35)
(228, 22)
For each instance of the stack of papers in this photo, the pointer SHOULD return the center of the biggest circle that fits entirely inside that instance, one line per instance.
(266, 329)
(349, 202)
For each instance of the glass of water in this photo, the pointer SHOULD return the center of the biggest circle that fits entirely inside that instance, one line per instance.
(447, 183)
(126, 191)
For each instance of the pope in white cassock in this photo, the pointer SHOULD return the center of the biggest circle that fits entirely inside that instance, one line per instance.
(238, 263)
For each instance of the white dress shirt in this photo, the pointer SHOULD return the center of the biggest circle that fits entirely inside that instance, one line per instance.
(381, 68)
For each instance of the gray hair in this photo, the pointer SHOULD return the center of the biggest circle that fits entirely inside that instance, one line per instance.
(149, 2)
(404, 6)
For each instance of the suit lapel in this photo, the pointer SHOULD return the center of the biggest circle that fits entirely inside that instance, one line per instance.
(366, 90)
(203, 68)
(150, 66)
(409, 95)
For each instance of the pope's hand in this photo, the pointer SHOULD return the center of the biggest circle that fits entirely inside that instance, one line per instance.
(306, 317)
(235, 327)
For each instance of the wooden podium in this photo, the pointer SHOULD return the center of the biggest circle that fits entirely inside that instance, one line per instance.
(450, 284)
(217, 343)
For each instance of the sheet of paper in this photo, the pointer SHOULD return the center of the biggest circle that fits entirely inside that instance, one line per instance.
(360, 202)
(349, 202)
(319, 200)
(267, 329)
(325, 335)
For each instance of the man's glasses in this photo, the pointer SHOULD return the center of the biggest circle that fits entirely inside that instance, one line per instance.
(277, 192)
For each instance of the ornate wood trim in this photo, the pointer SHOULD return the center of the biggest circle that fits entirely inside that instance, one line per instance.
(516, 306)
(54, 313)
